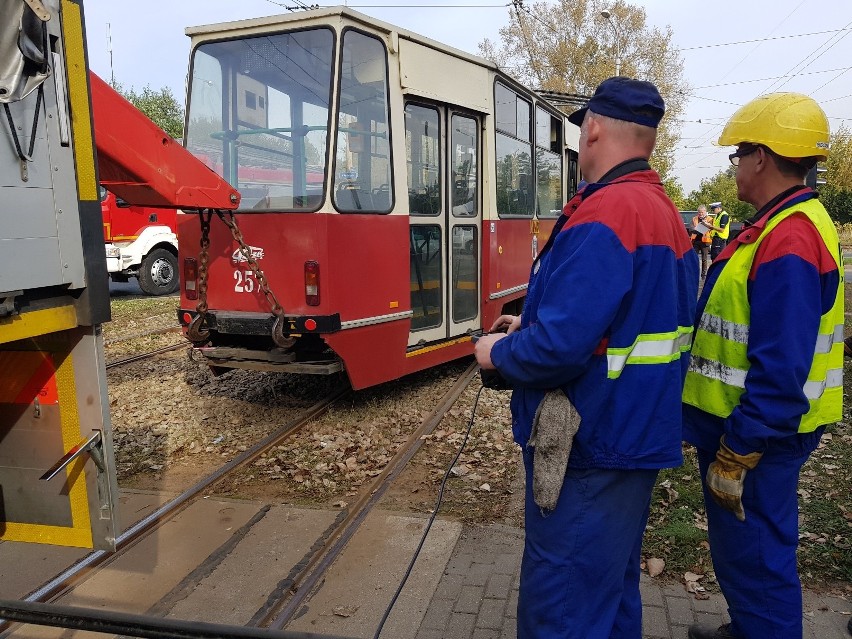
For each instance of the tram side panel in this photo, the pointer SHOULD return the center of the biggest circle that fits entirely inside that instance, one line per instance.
(53, 292)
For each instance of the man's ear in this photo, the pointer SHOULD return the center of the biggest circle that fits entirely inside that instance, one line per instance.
(762, 161)
(593, 129)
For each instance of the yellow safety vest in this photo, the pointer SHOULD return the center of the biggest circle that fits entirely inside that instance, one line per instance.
(718, 367)
(725, 232)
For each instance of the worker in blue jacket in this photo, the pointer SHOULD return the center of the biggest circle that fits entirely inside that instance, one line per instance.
(766, 371)
(606, 322)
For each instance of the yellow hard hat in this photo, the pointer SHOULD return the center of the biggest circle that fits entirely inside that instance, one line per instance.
(791, 124)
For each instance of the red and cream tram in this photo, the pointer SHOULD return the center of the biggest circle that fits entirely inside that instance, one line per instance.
(394, 194)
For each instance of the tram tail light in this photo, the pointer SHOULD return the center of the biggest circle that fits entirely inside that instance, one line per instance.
(312, 283)
(190, 278)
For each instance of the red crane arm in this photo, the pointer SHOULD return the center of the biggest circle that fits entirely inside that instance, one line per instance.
(144, 166)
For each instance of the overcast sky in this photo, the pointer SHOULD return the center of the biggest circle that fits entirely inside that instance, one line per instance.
(766, 46)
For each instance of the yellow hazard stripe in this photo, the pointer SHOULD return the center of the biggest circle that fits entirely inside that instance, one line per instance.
(80, 532)
(435, 347)
(78, 94)
(35, 323)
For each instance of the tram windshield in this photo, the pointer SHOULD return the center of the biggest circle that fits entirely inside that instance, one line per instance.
(259, 116)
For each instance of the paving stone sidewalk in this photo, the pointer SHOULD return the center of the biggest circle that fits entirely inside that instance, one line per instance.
(477, 597)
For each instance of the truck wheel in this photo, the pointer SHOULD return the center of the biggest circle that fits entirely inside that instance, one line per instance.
(158, 273)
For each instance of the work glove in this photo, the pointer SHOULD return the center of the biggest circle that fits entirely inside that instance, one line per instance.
(726, 476)
(555, 423)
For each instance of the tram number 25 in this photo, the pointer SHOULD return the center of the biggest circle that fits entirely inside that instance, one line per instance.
(244, 281)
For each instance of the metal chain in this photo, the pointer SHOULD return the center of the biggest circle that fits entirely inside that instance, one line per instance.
(197, 332)
(203, 261)
(228, 219)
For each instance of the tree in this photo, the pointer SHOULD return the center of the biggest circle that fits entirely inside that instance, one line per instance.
(569, 47)
(839, 163)
(836, 193)
(722, 187)
(160, 106)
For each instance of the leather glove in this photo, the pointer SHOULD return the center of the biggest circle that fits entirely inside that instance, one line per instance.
(726, 476)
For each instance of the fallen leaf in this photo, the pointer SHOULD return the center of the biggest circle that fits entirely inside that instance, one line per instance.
(655, 566)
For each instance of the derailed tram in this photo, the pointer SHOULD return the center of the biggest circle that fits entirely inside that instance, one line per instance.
(395, 192)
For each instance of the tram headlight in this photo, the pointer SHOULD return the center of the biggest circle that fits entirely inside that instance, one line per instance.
(312, 283)
(113, 251)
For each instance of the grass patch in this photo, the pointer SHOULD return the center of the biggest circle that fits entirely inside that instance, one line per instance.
(677, 524)
(131, 315)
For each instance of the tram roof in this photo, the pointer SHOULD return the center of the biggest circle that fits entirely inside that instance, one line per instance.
(330, 12)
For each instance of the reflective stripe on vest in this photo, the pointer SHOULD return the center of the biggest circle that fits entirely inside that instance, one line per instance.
(649, 348)
(719, 363)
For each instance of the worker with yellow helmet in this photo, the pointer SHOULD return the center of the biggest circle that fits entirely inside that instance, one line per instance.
(765, 375)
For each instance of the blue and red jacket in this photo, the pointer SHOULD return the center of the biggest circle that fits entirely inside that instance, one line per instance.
(793, 281)
(618, 264)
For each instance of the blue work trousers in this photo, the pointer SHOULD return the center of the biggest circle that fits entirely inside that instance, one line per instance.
(755, 560)
(580, 571)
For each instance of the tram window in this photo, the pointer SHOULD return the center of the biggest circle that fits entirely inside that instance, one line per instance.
(523, 108)
(548, 164)
(362, 174)
(422, 149)
(465, 279)
(512, 113)
(548, 131)
(259, 114)
(465, 168)
(549, 198)
(427, 290)
(573, 172)
(515, 196)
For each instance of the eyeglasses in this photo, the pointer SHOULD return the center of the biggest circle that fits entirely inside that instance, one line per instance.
(741, 153)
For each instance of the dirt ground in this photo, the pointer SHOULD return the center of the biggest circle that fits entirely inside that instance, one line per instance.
(174, 423)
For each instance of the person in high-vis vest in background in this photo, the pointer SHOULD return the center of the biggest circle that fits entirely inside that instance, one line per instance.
(766, 367)
(720, 229)
(701, 238)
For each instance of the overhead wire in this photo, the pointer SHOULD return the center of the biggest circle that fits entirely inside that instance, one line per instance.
(712, 132)
(779, 81)
(767, 39)
(775, 85)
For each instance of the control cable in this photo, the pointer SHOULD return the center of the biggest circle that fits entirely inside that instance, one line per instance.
(432, 517)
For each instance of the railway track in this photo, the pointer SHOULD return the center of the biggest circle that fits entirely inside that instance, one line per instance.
(305, 582)
(304, 579)
(156, 331)
(65, 581)
(147, 355)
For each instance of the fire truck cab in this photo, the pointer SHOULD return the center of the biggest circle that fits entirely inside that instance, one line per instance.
(141, 243)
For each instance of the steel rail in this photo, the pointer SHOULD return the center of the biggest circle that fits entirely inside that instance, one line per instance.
(304, 584)
(125, 624)
(155, 331)
(139, 357)
(62, 582)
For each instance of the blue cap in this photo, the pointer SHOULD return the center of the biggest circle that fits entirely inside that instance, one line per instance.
(625, 99)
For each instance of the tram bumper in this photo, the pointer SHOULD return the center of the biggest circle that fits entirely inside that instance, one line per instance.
(230, 331)
(236, 323)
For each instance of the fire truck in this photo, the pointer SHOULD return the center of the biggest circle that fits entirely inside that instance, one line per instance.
(140, 242)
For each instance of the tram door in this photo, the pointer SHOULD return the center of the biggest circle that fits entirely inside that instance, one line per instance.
(443, 178)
